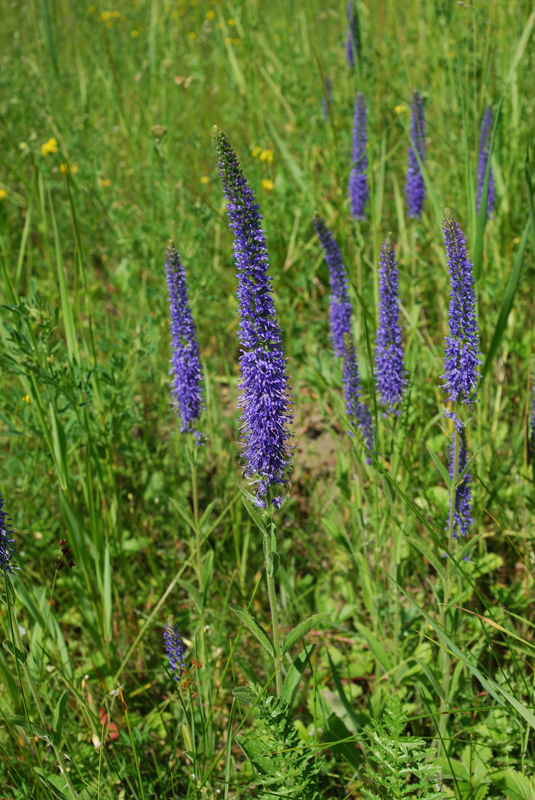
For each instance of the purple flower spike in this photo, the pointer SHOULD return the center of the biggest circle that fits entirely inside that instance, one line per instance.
(174, 648)
(352, 41)
(265, 396)
(340, 304)
(389, 362)
(415, 186)
(7, 549)
(462, 515)
(357, 411)
(461, 355)
(483, 160)
(185, 370)
(358, 181)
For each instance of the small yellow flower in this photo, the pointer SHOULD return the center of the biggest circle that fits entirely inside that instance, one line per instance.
(277, 37)
(256, 151)
(192, 35)
(22, 145)
(452, 54)
(104, 17)
(26, 398)
(228, 40)
(268, 185)
(210, 14)
(267, 155)
(205, 179)
(105, 182)
(400, 109)
(231, 21)
(3, 194)
(91, 10)
(116, 14)
(49, 147)
(70, 169)
(134, 34)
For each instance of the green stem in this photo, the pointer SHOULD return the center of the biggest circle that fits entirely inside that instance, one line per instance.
(446, 661)
(270, 546)
(193, 463)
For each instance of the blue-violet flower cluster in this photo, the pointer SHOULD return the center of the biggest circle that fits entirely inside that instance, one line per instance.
(186, 374)
(265, 396)
(389, 359)
(462, 515)
(342, 337)
(174, 648)
(358, 181)
(7, 549)
(482, 162)
(415, 186)
(461, 356)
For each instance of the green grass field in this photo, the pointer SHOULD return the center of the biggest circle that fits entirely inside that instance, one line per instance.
(105, 123)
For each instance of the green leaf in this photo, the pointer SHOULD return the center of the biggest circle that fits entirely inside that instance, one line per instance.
(301, 630)
(427, 553)
(245, 695)
(508, 300)
(273, 563)
(375, 646)
(255, 628)
(294, 675)
(15, 652)
(35, 730)
(252, 510)
(514, 785)
(59, 713)
(193, 592)
(341, 693)
(529, 187)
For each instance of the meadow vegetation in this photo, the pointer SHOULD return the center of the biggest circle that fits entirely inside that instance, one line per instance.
(415, 677)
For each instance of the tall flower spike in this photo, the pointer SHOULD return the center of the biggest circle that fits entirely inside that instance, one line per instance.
(264, 383)
(186, 374)
(174, 648)
(462, 517)
(358, 181)
(339, 304)
(389, 361)
(352, 41)
(415, 186)
(461, 355)
(482, 161)
(7, 549)
(357, 411)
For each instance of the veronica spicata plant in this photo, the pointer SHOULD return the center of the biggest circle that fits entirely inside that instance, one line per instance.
(389, 360)
(265, 397)
(415, 185)
(341, 334)
(482, 163)
(7, 547)
(174, 648)
(185, 373)
(358, 180)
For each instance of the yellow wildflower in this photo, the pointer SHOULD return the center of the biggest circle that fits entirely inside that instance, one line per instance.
(268, 184)
(105, 182)
(26, 398)
(210, 14)
(49, 147)
(192, 35)
(109, 23)
(231, 21)
(400, 109)
(134, 34)
(3, 194)
(104, 17)
(116, 14)
(267, 155)
(91, 10)
(205, 179)
(452, 54)
(256, 151)
(70, 169)
(22, 145)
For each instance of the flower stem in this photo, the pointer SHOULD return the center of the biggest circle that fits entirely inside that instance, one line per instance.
(271, 562)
